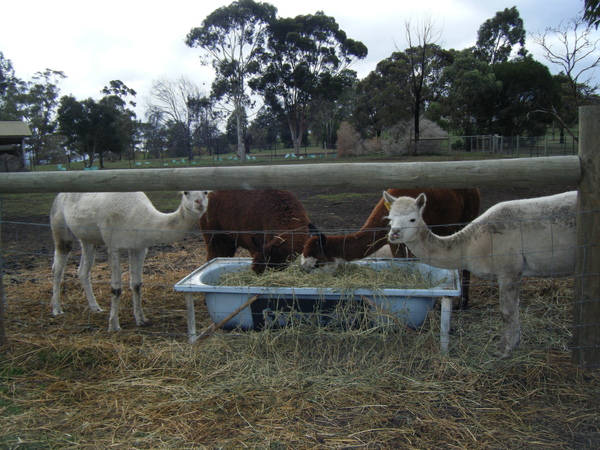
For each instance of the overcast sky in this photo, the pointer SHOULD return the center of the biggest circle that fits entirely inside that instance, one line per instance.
(139, 42)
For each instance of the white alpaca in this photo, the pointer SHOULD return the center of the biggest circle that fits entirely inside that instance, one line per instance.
(532, 237)
(121, 221)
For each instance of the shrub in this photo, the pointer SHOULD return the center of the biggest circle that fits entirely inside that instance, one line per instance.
(399, 138)
(349, 142)
(373, 145)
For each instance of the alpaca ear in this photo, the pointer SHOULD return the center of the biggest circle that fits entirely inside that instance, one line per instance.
(313, 230)
(388, 199)
(322, 241)
(420, 201)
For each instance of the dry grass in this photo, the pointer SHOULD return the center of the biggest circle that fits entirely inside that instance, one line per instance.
(345, 278)
(66, 382)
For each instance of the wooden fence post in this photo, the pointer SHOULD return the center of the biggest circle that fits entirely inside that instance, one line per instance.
(586, 305)
(3, 340)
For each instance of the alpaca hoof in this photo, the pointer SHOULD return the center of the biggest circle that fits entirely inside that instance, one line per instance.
(96, 309)
(461, 306)
(501, 355)
(57, 312)
(502, 352)
(145, 323)
(113, 329)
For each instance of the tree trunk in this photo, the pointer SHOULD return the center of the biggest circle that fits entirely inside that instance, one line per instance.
(413, 150)
(240, 135)
(297, 131)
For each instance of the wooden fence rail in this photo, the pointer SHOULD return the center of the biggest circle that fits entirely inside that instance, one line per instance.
(582, 170)
(545, 171)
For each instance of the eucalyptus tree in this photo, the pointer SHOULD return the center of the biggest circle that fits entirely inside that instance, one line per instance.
(498, 36)
(122, 98)
(424, 61)
(233, 39)
(154, 136)
(591, 12)
(120, 90)
(264, 129)
(326, 119)
(366, 112)
(383, 97)
(12, 89)
(75, 122)
(94, 128)
(40, 103)
(471, 93)
(307, 63)
(528, 89)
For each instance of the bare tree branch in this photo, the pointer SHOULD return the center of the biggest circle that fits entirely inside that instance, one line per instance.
(572, 48)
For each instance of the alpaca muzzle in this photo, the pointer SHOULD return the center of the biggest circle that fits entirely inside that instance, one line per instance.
(394, 236)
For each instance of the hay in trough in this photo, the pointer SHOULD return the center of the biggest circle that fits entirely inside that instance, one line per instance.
(346, 277)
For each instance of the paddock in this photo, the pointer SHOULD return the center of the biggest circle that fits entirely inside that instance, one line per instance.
(73, 383)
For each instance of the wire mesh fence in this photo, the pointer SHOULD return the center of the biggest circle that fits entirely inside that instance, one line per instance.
(27, 253)
(511, 146)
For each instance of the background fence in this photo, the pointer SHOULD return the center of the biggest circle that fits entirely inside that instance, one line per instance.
(515, 146)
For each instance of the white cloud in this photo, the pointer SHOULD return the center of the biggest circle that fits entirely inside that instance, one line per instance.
(138, 43)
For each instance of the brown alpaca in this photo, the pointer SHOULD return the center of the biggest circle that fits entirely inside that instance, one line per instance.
(271, 224)
(447, 210)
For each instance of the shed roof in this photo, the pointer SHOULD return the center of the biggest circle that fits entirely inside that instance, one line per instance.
(14, 128)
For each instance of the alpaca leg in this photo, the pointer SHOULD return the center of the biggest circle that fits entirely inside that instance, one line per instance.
(116, 289)
(219, 246)
(61, 254)
(136, 264)
(466, 282)
(399, 250)
(509, 310)
(88, 254)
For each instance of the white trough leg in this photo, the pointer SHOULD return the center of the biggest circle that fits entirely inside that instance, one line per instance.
(445, 319)
(191, 316)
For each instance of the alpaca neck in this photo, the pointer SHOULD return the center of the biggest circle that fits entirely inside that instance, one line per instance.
(356, 246)
(163, 228)
(445, 252)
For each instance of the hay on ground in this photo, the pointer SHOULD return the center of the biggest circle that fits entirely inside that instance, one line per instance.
(66, 382)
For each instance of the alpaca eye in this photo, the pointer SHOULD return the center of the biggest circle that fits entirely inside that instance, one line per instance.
(413, 220)
(186, 193)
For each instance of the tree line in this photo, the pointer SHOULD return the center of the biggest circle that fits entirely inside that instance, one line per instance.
(290, 80)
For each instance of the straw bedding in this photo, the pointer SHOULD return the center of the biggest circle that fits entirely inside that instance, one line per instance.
(346, 277)
(66, 382)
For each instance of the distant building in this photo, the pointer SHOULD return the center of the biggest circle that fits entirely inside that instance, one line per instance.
(12, 137)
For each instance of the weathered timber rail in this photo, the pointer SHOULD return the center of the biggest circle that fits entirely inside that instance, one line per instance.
(545, 171)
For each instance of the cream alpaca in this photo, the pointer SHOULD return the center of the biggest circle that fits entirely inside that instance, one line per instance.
(532, 237)
(121, 221)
